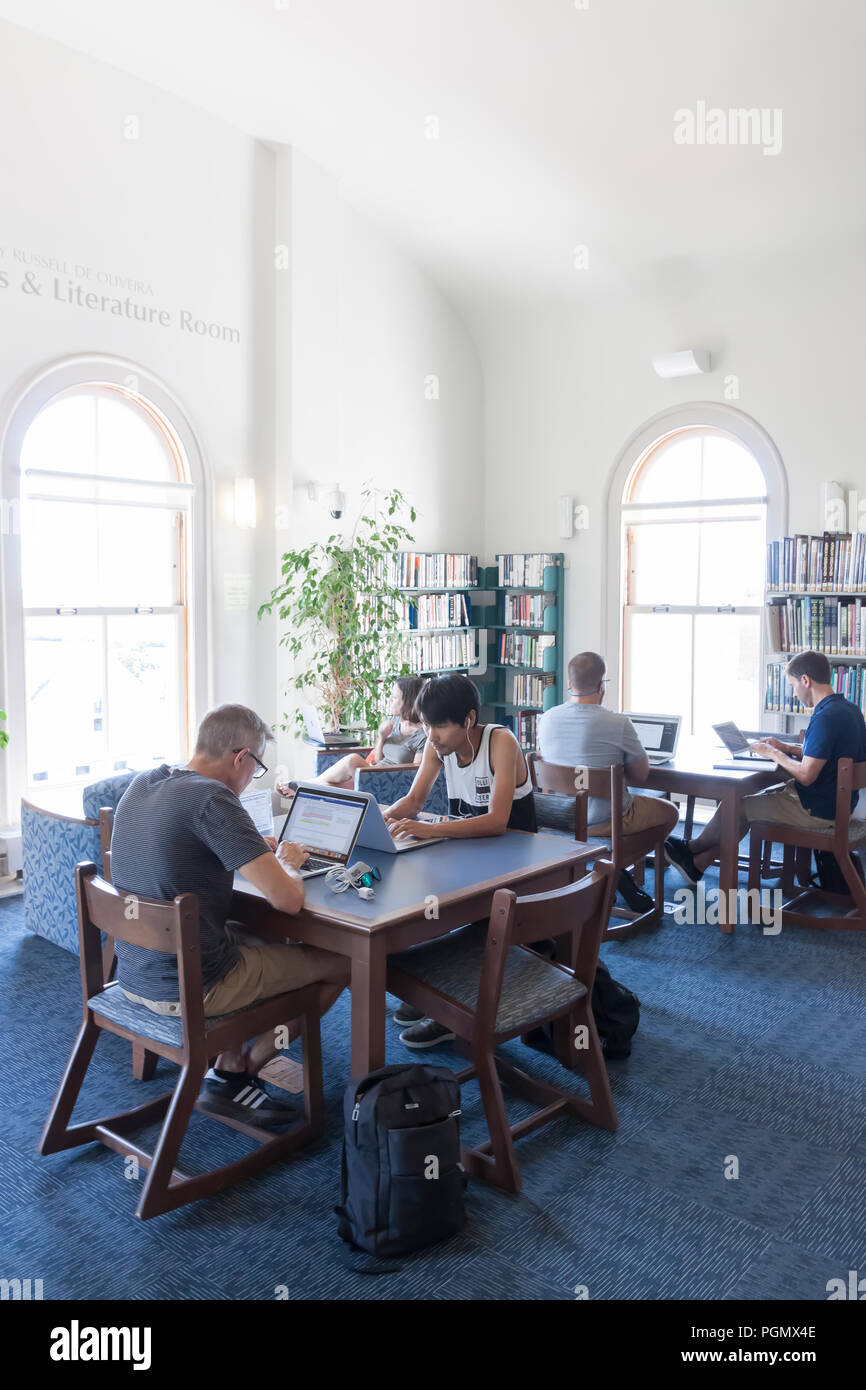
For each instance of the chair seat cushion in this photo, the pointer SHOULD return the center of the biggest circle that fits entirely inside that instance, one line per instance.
(856, 831)
(112, 1003)
(532, 988)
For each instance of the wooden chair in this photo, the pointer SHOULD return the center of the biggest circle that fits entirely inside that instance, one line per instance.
(143, 1060)
(850, 914)
(623, 850)
(484, 984)
(191, 1041)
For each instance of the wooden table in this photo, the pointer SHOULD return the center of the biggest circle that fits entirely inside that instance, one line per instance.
(692, 773)
(452, 878)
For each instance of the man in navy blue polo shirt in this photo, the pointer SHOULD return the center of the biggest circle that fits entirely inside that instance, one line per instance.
(836, 730)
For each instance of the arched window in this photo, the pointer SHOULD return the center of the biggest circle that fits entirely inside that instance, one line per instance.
(105, 498)
(694, 512)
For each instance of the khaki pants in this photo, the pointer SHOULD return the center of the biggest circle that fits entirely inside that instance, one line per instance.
(644, 813)
(782, 804)
(265, 968)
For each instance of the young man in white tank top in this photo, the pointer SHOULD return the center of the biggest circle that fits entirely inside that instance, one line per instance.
(489, 788)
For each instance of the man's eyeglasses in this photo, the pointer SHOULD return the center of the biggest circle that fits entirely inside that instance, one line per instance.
(260, 769)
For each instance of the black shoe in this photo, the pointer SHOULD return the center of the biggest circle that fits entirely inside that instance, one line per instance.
(240, 1096)
(406, 1015)
(427, 1033)
(635, 897)
(678, 854)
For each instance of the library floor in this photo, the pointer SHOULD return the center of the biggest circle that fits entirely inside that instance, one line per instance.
(749, 1046)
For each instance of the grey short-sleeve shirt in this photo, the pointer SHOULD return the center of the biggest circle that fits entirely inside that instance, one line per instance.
(178, 832)
(575, 735)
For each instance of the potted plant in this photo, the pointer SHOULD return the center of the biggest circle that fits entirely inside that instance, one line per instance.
(341, 612)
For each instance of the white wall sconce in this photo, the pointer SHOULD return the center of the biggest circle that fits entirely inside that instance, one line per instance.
(571, 516)
(688, 362)
(245, 504)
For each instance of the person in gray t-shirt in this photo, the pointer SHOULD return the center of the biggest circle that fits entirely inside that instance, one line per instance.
(183, 830)
(581, 733)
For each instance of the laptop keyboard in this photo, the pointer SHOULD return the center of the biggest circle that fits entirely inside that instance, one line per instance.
(314, 863)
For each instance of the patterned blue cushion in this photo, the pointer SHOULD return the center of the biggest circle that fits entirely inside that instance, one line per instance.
(105, 793)
(532, 989)
(389, 785)
(326, 760)
(51, 846)
(165, 1028)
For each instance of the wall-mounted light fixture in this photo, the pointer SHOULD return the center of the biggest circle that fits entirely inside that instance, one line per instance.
(689, 362)
(245, 504)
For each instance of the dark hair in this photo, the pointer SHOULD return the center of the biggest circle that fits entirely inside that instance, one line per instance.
(812, 664)
(410, 688)
(586, 673)
(448, 700)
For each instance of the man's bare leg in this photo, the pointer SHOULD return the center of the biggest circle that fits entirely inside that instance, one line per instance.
(705, 848)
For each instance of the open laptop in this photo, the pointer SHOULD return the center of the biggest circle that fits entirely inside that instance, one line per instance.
(327, 822)
(316, 734)
(738, 746)
(376, 835)
(659, 734)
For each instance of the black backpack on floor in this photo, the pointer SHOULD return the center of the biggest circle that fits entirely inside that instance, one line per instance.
(830, 876)
(616, 1011)
(402, 1185)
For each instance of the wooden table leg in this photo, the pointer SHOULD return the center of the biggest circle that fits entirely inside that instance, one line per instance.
(729, 850)
(368, 1009)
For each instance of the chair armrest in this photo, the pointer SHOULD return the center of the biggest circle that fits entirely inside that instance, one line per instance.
(326, 758)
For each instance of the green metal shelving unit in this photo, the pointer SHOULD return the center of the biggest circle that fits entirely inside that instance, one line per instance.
(497, 692)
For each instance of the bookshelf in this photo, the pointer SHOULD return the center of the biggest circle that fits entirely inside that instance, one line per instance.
(524, 641)
(439, 633)
(815, 601)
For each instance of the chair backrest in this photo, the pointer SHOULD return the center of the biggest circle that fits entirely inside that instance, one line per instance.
(169, 927)
(106, 829)
(579, 910)
(850, 777)
(582, 783)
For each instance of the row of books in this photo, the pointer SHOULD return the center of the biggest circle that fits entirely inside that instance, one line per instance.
(410, 570)
(436, 610)
(524, 571)
(527, 730)
(834, 561)
(849, 681)
(529, 690)
(833, 625)
(525, 610)
(519, 649)
(452, 651)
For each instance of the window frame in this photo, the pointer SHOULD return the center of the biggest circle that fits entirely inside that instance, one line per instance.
(704, 415)
(160, 403)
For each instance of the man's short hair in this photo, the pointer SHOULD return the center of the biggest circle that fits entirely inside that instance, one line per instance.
(229, 727)
(812, 664)
(586, 673)
(448, 700)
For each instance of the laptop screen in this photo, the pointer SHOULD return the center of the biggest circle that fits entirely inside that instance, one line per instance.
(657, 735)
(325, 822)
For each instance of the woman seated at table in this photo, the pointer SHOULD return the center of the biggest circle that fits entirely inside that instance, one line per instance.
(401, 738)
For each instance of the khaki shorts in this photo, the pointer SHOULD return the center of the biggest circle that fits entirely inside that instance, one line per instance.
(783, 805)
(644, 813)
(264, 968)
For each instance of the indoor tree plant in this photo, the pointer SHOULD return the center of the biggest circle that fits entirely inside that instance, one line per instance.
(339, 610)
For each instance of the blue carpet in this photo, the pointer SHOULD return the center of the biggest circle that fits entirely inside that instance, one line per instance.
(750, 1055)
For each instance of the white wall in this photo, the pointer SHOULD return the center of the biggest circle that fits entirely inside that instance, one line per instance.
(566, 388)
(368, 332)
(327, 379)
